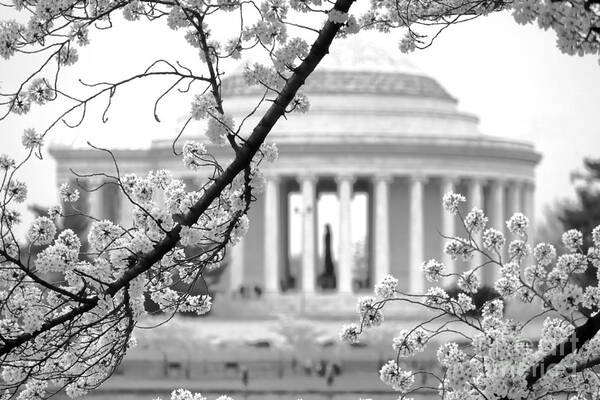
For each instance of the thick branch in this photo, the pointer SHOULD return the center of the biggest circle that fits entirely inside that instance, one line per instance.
(242, 159)
(580, 336)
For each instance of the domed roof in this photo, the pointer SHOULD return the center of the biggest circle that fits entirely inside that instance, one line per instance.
(367, 51)
(359, 64)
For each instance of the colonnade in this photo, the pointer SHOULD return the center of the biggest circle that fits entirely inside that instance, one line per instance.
(503, 198)
(498, 197)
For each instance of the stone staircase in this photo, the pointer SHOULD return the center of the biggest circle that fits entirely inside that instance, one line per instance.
(327, 306)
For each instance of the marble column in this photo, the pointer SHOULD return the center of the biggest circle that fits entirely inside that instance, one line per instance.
(345, 262)
(272, 235)
(475, 199)
(416, 237)
(125, 212)
(496, 216)
(236, 265)
(448, 224)
(95, 206)
(382, 230)
(529, 209)
(309, 232)
(514, 198)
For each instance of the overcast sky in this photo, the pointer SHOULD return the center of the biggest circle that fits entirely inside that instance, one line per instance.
(511, 76)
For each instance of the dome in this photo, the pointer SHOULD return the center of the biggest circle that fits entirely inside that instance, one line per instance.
(355, 65)
(367, 51)
(363, 90)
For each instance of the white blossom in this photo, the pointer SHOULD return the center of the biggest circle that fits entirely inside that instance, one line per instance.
(387, 288)
(469, 282)
(350, 334)
(68, 194)
(32, 140)
(518, 224)
(544, 253)
(451, 202)
(572, 239)
(493, 239)
(41, 231)
(394, 376)
(475, 220)
(433, 270)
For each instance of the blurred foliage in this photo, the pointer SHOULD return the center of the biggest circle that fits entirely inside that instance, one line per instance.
(583, 214)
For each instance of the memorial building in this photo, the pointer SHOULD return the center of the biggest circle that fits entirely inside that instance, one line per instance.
(378, 130)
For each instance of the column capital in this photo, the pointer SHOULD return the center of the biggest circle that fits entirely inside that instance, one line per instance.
(272, 177)
(498, 182)
(515, 183)
(345, 177)
(308, 177)
(478, 180)
(450, 179)
(418, 177)
(382, 177)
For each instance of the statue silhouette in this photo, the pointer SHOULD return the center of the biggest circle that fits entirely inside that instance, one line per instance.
(327, 279)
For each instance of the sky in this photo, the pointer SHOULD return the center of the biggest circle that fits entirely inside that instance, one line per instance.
(511, 76)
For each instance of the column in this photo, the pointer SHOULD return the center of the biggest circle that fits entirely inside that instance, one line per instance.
(382, 233)
(475, 199)
(236, 265)
(416, 234)
(309, 232)
(94, 194)
(448, 225)
(529, 209)
(514, 198)
(497, 219)
(272, 235)
(345, 262)
(126, 212)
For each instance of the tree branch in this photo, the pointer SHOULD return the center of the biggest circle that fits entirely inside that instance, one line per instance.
(580, 336)
(242, 159)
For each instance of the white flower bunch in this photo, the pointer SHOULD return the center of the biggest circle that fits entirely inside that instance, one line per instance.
(475, 221)
(392, 375)
(194, 154)
(459, 248)
(408, 342)
(68, 194)
(32, 140)
(451, 202)
(369, 311)
(469, 282)
(433, 270)
(493, 239)
(387, 288)
(518, 224)
(350, 334)
(572, 239)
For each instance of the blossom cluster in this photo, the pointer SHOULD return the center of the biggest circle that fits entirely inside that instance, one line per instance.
(495, 356)
(77, 275)
(576, 24)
